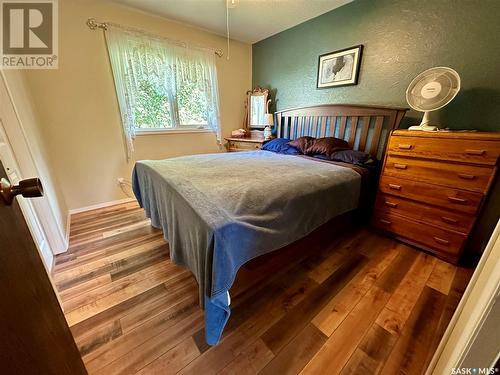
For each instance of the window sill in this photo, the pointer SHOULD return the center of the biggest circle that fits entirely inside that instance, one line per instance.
(171, 131)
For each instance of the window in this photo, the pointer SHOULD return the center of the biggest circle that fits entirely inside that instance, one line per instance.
(162, 86)
(154, 108)
(151, 107)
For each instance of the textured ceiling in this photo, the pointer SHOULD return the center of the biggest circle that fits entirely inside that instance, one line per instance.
(251, 21)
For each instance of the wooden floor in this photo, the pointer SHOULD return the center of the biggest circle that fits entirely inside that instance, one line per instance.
(361, 304)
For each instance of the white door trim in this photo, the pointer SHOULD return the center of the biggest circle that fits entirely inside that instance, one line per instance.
(26, 205)
(471, 312)
(27, 167)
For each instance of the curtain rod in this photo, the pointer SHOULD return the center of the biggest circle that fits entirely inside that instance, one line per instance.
(93, 25)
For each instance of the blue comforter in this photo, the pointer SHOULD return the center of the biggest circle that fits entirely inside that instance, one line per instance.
(219, 211)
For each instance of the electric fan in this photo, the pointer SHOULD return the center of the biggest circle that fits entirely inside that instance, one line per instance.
(431, 90)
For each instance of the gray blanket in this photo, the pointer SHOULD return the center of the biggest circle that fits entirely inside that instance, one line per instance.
(218, 211)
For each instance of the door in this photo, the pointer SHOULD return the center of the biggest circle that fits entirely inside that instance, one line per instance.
(34, 335)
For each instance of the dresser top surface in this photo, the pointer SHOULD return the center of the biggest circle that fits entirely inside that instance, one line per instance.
(450, 134)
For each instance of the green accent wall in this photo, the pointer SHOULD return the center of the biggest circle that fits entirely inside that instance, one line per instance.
(401, 39)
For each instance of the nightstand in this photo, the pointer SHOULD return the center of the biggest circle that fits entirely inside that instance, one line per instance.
(243, 144)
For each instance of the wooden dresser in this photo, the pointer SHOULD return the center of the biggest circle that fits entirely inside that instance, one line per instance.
(432, 187)
(244, 144)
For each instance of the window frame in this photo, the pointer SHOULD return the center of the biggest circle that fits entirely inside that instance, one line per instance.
(184, 129)
(177, 127)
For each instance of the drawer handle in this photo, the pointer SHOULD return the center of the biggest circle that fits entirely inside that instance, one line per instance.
(457, 200)
(405, 146)
(387, 222)
(449, 220)
(400, 166)
(475, 152)
(466, 176)
(395, 187)
(391, 204)
(441, 241)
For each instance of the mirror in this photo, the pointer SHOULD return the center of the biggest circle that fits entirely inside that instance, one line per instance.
(257, 107)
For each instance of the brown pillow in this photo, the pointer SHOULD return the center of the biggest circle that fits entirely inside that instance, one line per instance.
(326, 146)
(302, 143)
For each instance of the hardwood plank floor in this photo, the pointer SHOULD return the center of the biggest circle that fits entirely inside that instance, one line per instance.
(357, 303)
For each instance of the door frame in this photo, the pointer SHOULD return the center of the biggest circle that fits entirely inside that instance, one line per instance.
(472, 311)
(26, 205)
(42, 211)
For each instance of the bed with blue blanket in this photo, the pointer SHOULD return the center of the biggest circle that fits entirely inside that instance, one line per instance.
(218, 211)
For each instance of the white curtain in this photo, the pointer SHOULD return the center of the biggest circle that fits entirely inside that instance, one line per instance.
(134, 55)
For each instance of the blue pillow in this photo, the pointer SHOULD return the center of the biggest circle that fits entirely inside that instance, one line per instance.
(280, 146)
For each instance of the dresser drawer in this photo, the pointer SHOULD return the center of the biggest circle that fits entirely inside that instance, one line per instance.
(475, 178)
(435, 238)
(453, 199)
(243, 146)
(456, 221)
(464, 150)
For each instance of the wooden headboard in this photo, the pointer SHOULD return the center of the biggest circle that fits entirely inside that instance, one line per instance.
(366, 128)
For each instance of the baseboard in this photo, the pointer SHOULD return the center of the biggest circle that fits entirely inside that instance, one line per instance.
(99, 205)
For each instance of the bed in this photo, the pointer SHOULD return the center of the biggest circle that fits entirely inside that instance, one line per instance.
(216, 218)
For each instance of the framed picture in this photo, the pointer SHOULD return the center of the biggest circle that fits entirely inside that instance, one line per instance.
(339, 68)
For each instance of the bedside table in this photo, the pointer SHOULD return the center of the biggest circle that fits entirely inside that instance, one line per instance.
(243, 144)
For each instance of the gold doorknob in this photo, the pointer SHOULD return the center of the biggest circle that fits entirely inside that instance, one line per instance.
(29, 188)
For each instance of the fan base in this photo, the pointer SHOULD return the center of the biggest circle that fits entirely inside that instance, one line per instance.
(425, 128)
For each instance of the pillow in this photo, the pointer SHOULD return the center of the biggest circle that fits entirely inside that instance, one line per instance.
(326, 146)
(280, 146)
(302, 143)
(354, 157)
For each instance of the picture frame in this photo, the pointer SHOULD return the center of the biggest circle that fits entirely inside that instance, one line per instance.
(339, 68)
